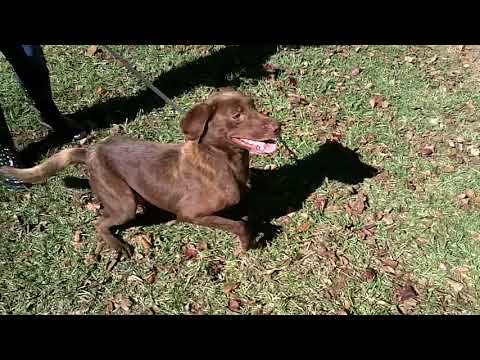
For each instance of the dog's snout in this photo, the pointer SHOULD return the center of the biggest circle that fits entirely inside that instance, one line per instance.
(275, 127)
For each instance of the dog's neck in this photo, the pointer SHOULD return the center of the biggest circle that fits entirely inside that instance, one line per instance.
(237, 160)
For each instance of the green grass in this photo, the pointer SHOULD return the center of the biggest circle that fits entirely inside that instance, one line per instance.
(320, 270)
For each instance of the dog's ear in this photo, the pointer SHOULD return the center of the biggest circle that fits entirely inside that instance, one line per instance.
(194, 123)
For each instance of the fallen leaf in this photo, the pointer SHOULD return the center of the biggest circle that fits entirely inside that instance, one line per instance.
(469, 105)
(409, 59)
(124, 303)
(134, 278)
(470, 193)
(341, 312)
(321, 203)
(92, 50)
(358, 205)
(202, 245)
(77, 239)
(190, 251)
(390, 266)
(270, 68)
(234, 305)
(229, 287)
(100, 91)
(427, 149)
(432, 59)
(109, 306)
(407, 307)
(144, 240)
(449, 169)
(297, 100)
(388, 219)
(369, 275)
(304, 227)
(151, 277)
(356, 71)
(455, 285)
(474, 151)
(378, 101)
(292, 81)
(368, 86)
(93, 207)
(406, 293)
(274, 270)
(336, 136)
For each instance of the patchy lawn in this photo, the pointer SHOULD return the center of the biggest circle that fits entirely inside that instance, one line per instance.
(404, 238)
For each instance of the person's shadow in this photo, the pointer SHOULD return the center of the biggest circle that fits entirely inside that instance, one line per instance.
(275, 193)
(225, 67)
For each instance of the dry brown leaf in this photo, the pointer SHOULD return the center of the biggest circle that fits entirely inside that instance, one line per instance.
(406, 293)
(388, 219)
(77, 239)
(358, 205)
(134, 279)
(426, 149)
(124, 303)
(304, 227)
(470, 105)
(92, 50)
(356, 71)
(470, 193)
(321, 203)
(151, 277)
(378, 101)
(144, 240)
(202, 245)
(100, 91)
(93, 207)
(274, 270)
(455, 285)
(474, 151)
(190, 251)
(234, 305)
(390, 266)
(369, 275)
(432, 59)
(297, 100)
(229, 287)
(292, 81)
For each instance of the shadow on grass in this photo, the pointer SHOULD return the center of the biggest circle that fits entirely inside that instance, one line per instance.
(213, 71)
(276, 193)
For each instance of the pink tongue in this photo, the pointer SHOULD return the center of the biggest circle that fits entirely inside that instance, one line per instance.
(261, 147)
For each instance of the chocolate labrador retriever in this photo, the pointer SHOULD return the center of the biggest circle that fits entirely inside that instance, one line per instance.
(196, 180)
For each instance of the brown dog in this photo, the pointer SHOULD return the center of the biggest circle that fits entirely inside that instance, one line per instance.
(195, 181)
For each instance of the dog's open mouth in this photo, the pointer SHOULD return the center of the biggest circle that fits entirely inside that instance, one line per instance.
(255, 146)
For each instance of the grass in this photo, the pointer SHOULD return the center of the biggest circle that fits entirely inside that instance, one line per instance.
(419, 232)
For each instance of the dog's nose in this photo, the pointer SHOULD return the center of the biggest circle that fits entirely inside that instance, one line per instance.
(276, 128)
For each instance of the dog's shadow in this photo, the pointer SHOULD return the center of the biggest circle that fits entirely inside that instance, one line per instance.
(276, 193)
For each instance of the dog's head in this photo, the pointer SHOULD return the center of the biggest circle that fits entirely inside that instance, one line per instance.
(228, 119)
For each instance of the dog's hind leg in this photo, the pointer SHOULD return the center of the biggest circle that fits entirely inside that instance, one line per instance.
(119, 205)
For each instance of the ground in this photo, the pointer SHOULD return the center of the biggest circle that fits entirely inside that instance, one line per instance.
(378, 215)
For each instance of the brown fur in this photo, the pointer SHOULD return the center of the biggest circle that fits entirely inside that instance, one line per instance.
(196, 180)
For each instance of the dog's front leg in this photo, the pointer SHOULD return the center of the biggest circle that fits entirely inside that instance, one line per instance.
(239, 228)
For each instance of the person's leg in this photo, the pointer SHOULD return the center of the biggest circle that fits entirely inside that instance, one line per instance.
(8, 157)
(31, 69)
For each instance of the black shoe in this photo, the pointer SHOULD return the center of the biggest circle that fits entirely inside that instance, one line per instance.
(66, 128)
(9, 158)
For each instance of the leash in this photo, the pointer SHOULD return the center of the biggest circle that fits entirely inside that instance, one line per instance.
(139, 76)
(164, 97)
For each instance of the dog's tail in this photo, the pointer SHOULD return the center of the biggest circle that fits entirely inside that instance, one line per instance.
(50, 167)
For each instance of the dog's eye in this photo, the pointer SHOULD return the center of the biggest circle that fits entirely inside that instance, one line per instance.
(236, 116)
